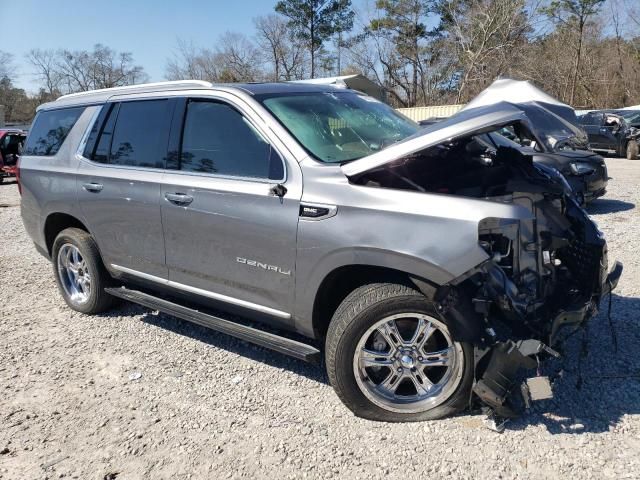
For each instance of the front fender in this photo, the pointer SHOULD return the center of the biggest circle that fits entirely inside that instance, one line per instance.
(310, 280)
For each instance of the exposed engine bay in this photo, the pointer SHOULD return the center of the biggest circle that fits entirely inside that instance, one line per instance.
(543, 273)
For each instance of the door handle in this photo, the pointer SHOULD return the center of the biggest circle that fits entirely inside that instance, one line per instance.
(93, 187)
(179, 198)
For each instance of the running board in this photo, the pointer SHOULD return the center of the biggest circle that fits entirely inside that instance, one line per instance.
(295, 349)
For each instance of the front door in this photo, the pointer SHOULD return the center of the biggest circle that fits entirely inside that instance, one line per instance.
(230, 211)
(119, 182)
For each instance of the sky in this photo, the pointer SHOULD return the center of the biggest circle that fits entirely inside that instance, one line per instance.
(149, 29)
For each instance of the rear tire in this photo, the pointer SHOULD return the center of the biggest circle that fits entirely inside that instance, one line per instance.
(79, 272)
(431, 380)
(632, 150)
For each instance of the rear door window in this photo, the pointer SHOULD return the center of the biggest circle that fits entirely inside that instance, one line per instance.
(140, 134)
(131, 133)
(49, 130)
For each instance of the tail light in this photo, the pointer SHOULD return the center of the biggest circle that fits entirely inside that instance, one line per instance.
(18, 176)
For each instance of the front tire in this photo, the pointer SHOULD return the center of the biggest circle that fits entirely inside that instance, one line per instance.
(632, 150)
(390, 356)
(79, 272)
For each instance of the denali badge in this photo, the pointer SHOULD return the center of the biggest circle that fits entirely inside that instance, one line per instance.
(264, 266)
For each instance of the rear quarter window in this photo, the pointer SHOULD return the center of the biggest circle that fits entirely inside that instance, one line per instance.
(49, 130)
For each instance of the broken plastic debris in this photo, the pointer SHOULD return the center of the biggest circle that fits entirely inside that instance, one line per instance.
(237, 379)
(539, 388)
(495, 422)
(135, 376)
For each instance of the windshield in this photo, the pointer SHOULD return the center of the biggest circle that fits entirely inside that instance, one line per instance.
(338, 127)
(631, 116)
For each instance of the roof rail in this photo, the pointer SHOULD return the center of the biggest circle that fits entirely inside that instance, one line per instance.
(143, 87)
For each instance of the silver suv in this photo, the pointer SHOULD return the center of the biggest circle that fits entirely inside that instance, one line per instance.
(427, 264)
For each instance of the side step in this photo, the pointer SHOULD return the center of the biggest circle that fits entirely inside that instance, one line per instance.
(280, 344)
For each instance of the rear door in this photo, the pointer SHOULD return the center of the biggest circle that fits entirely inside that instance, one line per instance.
(119, 181)
(228, 236)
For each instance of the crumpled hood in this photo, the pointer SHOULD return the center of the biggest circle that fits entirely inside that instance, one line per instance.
(579, 155)
(504, 102)
(469, 122)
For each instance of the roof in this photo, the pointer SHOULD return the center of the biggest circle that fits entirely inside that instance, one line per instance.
(282, 87)
(101, 96)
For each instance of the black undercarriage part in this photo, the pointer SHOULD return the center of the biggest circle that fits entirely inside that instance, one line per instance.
(502, 364)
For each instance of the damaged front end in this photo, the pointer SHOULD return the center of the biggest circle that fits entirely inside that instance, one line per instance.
(545, 272)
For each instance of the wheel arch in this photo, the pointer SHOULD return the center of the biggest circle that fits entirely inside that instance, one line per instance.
(55, 223)
(341, 281)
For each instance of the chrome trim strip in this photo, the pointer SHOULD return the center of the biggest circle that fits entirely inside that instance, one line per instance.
(167, 171)
(204, 293)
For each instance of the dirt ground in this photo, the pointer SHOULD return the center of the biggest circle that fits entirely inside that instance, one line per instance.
(136, 394)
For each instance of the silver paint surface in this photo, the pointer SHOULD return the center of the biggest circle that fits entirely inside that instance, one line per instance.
(434, 236)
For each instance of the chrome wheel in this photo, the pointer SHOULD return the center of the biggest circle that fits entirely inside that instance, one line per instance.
(74, 275)
(408, 363)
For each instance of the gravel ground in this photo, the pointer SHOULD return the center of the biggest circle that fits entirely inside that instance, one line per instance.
(134, 394)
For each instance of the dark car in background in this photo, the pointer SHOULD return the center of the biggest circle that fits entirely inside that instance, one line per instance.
(585, 171)
(632, 117)
(561, 142)
(613, 132)
(11, 143)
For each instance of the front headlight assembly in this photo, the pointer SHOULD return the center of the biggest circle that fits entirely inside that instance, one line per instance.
(581, 168)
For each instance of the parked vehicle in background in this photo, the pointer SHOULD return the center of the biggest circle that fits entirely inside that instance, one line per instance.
(563, 143)
(428, 266)
(11, 144)
(585, 171)
(632, 117)
(610, 132)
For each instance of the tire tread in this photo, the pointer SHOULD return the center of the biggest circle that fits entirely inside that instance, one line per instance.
(354, 305)
(99, 301)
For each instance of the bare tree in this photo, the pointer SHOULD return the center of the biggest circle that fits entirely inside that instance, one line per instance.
(284, 56)
(192, 63)
(45, 63)
(111, 69)
(238, 58)
(73, 71)
(235, 59)
(485, 35)
(6, 65)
